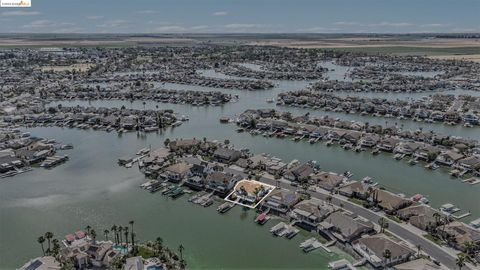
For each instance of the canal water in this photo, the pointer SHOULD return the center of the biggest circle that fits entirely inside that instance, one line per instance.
(91, 189)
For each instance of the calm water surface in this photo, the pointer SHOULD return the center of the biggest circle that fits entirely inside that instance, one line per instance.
(91, 189)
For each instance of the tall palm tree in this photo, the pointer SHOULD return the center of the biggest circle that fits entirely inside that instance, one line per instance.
(158, 245)
(437, 217)
(133, 234)
(93, 233)
(383, 224)
(131, 222)
(120, 230)
(88, 228)
(125, 231)
(41, 240)
(49, 236)
(460, 261)
(56, 247)
(181, 249)
(105, 233)
(115, 234)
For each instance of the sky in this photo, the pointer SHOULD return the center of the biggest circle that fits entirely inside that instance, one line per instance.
(243, 16)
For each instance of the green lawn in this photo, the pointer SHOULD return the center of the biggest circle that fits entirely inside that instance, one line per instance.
(394, 218)
(434, 239)
(145, 252)
(357, 201)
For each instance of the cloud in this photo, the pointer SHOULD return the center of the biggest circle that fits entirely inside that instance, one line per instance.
(346, 23)
(170, 29)
(430, 25)
(392, 24)
(317, 29)
(146, 11)
(242, 25)
(112, 24)
(94, 17)
(378, 24)
(220, 13)
(39, 24)
(20, 13)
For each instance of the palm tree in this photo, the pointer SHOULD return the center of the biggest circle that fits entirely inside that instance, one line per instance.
(88, 228)
(470, 247)
(460, 261)
(387, 254)
(56, 247)
(125, 231)
(105, 233)
(133, 234)
(93, 233)
(181, 249)
(131, 222)
(158, 245)
(41, 240)
(383, 224)
(114, 230)
(48, 236)
(120, 229)
(437, 217)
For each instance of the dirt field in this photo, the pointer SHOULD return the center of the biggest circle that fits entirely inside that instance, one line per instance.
(78, 67)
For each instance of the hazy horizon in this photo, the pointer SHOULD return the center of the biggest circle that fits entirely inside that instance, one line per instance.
(242, 17)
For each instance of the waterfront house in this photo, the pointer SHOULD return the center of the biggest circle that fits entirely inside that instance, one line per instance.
(458, 233)
(97, 252)
(195, 182)
(258, 162)
(281, 201)
(407, 148)
(352, 136)
(226, 155)
(391, 202)
(311, 212)
(345, 227)
(420, 215)
(470, 163)
(448, 158)
(221, 182)
(327, 180)
(369, 140)
(373, 247)
(336, 134)
(387, 144)
(354, 189)
(185, 145)
(427, 152)
(275, 166)
(452, 116)
(299, 173)
(8, 163)
(177, 172)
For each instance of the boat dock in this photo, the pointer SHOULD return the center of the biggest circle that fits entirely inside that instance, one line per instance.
(286, 230)
(225, 207)
(50, 162)
(310, 244)
(203, 199)
(341, 265)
